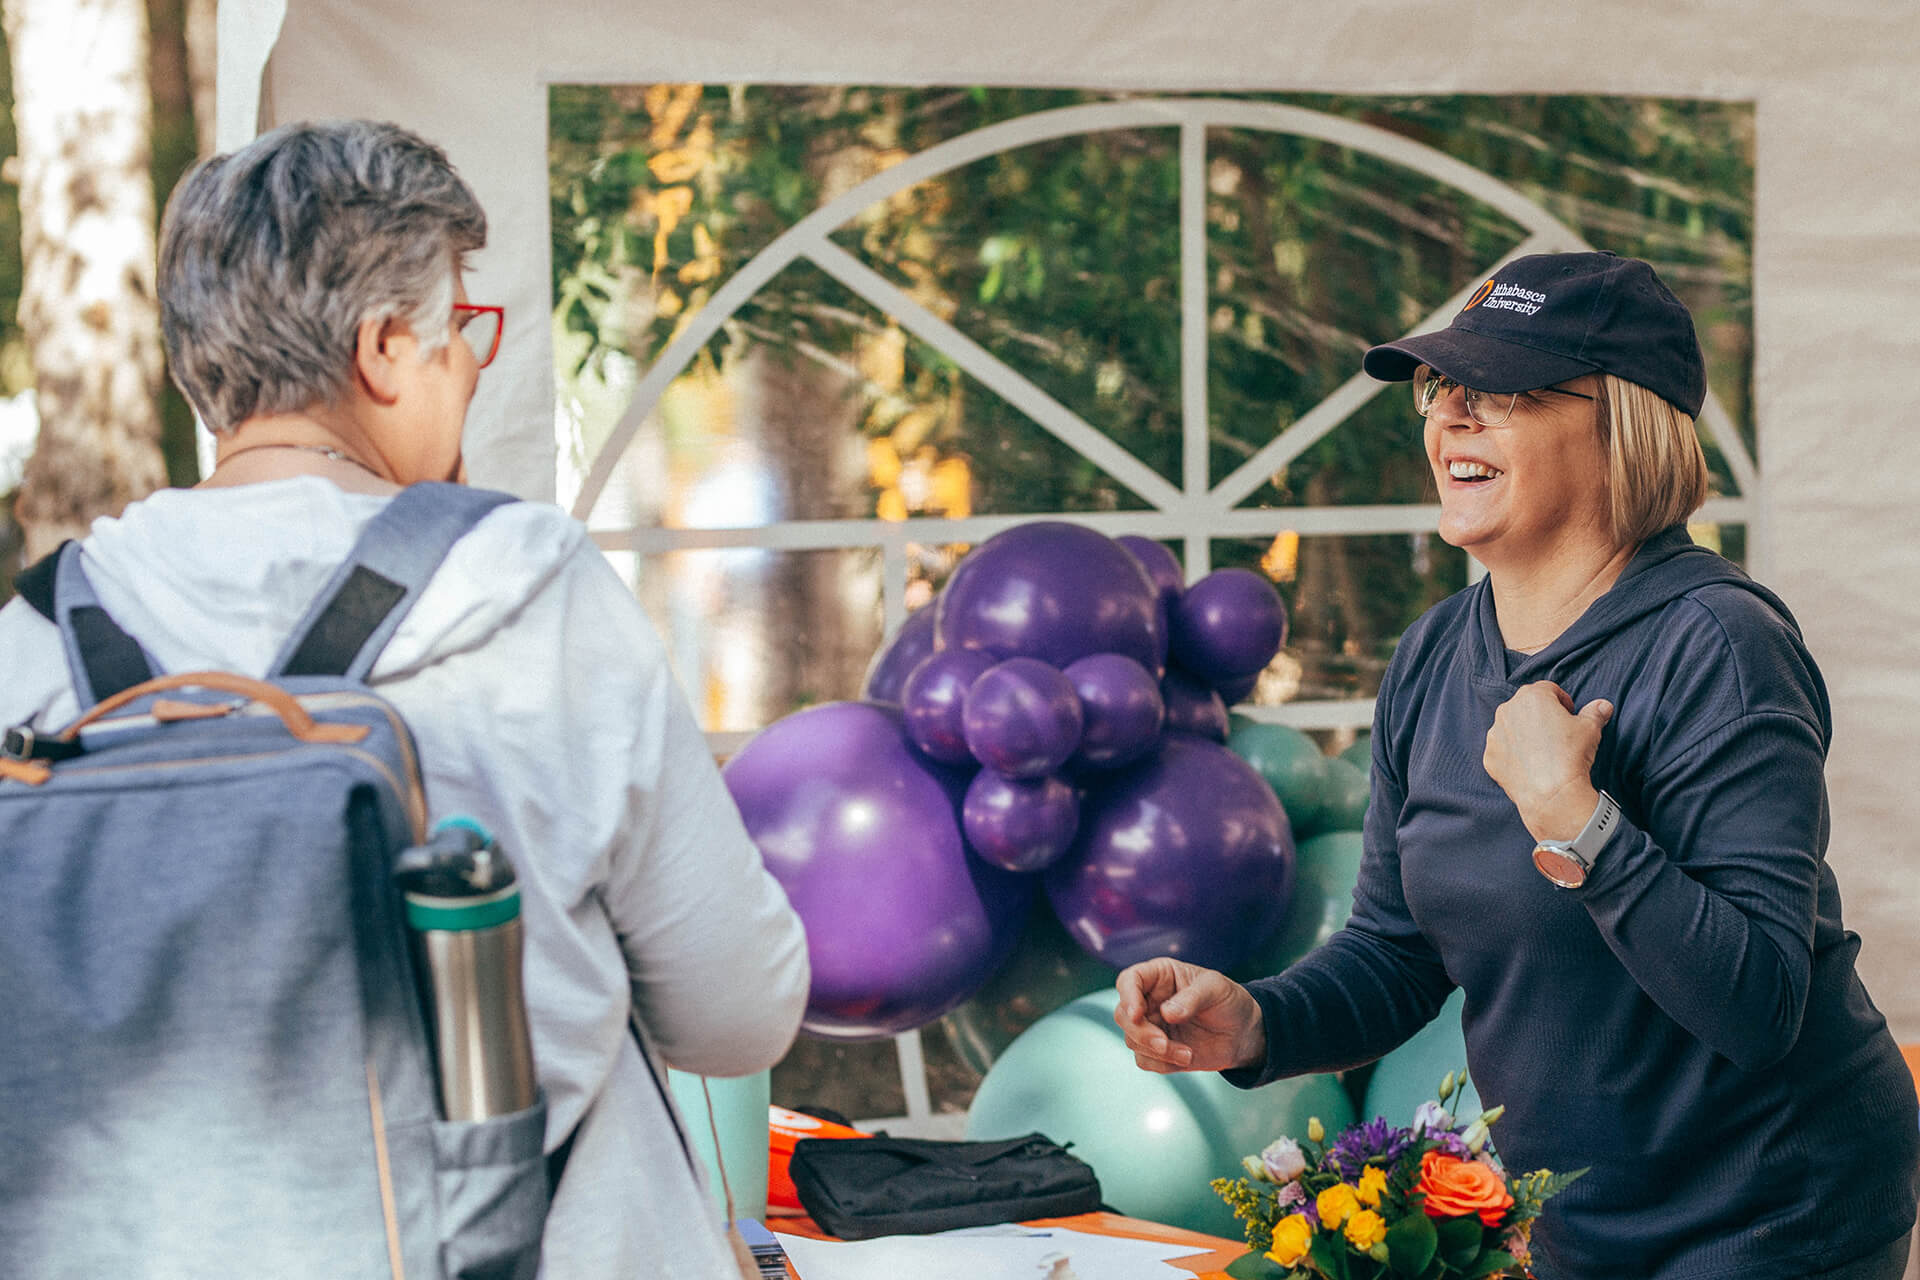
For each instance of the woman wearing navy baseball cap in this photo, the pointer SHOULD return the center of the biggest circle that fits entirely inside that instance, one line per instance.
(1598, 806)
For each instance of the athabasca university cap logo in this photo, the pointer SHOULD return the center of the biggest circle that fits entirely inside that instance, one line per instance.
(1506, 297)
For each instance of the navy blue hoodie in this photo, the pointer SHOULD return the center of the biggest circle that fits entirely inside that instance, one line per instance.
(1689, 1022)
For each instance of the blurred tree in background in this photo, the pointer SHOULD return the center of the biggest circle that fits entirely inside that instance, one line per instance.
(100, 123)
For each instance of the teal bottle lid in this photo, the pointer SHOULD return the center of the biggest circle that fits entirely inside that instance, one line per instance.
(459, 881)
(432, 913)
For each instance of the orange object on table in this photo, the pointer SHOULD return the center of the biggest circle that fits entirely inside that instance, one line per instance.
(784, 1128)
(1207, 1266)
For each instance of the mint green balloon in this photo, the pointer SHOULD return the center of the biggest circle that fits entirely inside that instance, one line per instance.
(1292, 765)
(1343, 799)
(1046, 970)
(1411, 1074)
(1360, 754)
(1325, 869)
(1155, 1141)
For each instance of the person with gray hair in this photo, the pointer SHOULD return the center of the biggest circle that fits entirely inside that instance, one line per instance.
(274, 256)
(316, 316)
(303, 279)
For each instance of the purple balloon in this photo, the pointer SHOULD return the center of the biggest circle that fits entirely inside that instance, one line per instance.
(1185, 854)
(1228, 625)
(1169, 579)
(1022, 718)
(1020, 824)
(1052, 591)
(903, 922)
(1234, 692)
(1120, 701)
(1193, 707)
(934, 699)
(899, 656)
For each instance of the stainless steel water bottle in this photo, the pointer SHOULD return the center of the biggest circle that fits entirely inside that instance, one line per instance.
(463, 908)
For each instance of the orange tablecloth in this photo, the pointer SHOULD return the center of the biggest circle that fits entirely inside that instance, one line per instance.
(1208, 1266)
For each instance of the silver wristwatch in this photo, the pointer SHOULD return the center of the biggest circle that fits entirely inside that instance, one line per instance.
(1567, 862)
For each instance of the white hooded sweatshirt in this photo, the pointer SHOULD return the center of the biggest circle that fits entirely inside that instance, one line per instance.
(543, 706)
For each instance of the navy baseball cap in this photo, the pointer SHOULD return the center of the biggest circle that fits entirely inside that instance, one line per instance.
(1549, 317)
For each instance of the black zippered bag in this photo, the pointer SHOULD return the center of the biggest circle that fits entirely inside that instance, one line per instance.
(858, 1188)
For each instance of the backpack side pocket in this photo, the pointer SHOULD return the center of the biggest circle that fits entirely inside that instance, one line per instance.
(491, 1180)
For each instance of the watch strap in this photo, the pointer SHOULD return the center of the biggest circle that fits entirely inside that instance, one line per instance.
(1599, 829)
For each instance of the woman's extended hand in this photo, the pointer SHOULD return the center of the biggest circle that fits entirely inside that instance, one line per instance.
(1179, 1017)
(1541, 753)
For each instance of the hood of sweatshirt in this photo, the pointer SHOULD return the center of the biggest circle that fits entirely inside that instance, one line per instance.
(205, 577)
(1666, 568)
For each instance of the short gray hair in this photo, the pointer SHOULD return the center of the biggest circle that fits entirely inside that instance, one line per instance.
(272, 256)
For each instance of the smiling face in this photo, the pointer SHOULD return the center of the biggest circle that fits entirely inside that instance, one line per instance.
(1521, 493)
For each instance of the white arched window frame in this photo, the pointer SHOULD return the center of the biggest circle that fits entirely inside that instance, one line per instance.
(1197, 509)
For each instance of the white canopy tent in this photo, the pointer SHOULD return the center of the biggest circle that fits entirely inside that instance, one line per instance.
(1836, 261)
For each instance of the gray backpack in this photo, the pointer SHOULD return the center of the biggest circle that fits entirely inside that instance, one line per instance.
(213, 1060)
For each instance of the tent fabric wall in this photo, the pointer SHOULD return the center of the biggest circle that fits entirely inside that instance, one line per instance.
(1836, 263)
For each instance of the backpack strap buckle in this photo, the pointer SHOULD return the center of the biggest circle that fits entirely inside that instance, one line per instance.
(22, 743)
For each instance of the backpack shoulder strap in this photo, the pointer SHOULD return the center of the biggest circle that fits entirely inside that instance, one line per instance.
(103, 658)
(361, 607)
(34, 584)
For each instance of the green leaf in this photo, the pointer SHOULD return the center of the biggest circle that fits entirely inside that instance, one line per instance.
(1410, 1244)
(1491, 1261)
(1329, 1253)
(1460, 1240)
(1255, 1266)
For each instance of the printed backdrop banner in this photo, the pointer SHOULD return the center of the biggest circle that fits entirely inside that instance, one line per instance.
(1836, 265)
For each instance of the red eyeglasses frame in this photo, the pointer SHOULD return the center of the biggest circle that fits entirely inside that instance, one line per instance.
(462, 309)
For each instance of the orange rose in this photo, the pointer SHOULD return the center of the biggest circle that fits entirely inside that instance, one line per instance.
(1455, 1188)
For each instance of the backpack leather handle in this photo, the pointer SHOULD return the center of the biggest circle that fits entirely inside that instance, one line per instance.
(301, 725)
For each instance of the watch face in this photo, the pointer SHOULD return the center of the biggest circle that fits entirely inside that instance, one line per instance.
(1563, 869)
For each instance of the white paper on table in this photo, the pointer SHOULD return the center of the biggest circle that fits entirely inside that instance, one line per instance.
(976, 1256)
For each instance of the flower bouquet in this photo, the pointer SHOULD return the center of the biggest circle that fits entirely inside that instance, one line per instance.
(1428, 1202)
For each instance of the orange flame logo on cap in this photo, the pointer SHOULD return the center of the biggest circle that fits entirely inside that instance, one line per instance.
(1479, 295)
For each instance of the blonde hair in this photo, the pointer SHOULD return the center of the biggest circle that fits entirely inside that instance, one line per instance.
(1656, 472)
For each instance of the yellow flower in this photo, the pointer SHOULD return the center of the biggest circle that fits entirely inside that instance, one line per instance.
(1373, 1181)
(1292, 1236)
(1336, 1204)
(1366, 1229)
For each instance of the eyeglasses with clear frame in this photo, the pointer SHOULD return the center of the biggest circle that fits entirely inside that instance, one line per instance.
(1488, 408)
(481, 327)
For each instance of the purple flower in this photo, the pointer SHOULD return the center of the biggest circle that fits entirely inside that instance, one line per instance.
(1376, 1139)
(1284, 1160)
(1431, 1119)
(1290, 1195)
(1451, 1144)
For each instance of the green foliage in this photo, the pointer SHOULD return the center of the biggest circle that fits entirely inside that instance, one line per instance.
(1329, 1256)
(1062, 260)
(1253, 1205)
(1458, 1241)
(1492, 1262)
(1411, 1244)
(1531, 1191)
(1257, 1266)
